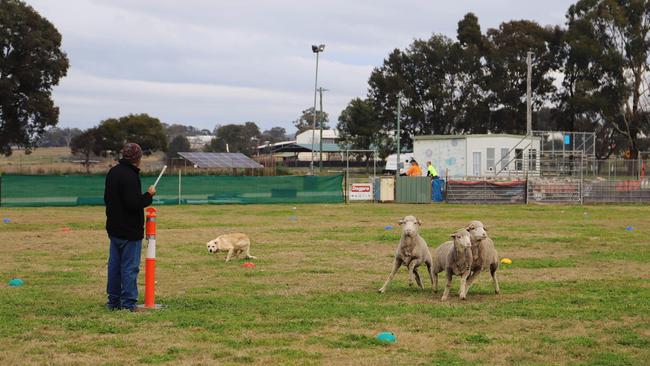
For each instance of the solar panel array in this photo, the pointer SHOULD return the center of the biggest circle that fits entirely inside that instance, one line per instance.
(220, 160)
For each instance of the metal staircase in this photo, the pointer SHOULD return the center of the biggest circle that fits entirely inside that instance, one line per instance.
(560, 154)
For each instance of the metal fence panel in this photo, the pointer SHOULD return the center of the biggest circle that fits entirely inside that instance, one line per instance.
(459, 191)
(554, 190)
(622, 191)
(413, 190)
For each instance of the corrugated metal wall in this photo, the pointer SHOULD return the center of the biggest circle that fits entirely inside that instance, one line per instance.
(413, 190)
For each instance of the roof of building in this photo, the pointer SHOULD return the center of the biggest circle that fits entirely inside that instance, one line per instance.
(327, 134)
(479, 135)
(200, 138)
(306, 148)
(326, 147)
(275, 144)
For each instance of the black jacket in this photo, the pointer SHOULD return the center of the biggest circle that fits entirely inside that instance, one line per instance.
(124, 202)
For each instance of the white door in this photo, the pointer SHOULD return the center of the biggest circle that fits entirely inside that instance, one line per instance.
(476, 163)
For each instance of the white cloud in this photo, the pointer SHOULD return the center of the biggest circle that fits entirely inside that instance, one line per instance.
(203, 62)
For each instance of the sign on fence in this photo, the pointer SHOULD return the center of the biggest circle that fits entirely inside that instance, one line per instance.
(361, 192)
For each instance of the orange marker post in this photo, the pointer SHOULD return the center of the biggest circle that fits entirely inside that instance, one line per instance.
(150, 265)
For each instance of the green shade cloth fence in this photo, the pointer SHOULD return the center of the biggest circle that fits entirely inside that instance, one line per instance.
(75, 190)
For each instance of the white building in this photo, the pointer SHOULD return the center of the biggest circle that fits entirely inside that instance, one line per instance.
(305, 137)
(200, 141)
(478, 155)
(330, 139)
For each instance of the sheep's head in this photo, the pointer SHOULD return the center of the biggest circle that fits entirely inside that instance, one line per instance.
(410, 225)
(461, 239)
(477, 230)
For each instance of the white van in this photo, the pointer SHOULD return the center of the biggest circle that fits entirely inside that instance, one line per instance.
(391, 162)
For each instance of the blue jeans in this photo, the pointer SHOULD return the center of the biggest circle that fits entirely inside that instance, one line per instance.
(123, 269)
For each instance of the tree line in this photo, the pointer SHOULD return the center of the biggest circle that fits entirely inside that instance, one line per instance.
(588, 75)
(110, 135)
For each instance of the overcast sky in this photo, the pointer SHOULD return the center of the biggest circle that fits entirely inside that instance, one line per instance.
(209, 62)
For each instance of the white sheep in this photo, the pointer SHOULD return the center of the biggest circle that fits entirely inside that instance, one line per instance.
(411, 252)
(455, 258)
(484, 255)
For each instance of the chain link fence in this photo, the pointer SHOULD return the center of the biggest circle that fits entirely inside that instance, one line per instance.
(570, 180)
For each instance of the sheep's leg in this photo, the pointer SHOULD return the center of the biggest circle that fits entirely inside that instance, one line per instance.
(396, 265)
(463, 285)
(430, 271)
(417, 278)
(472, 278)
(435, 283)
(445, 295)
(493, 272)
(411, 268)
(230, 252)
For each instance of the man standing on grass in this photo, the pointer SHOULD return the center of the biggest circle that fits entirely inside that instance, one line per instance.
(125, 227)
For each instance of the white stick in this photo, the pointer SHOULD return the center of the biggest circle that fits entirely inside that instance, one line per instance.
(160, 175)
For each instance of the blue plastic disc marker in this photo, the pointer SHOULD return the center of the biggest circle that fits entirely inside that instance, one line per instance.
(386, 337)
(16, 282)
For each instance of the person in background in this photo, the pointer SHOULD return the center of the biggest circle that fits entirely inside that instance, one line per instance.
(414, 170)
(431, 171)
(125, 203)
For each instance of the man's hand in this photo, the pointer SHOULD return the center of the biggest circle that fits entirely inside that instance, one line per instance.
(152, 190)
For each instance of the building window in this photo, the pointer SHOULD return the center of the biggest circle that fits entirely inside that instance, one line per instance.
(505, 159)
(476, 164)
(532, 159)
(519, 159)
(489, 159)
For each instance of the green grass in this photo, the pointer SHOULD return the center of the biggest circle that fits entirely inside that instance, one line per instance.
(544, 263)
(577, 292)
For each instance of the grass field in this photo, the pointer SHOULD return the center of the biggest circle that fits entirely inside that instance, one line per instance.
(577, 292)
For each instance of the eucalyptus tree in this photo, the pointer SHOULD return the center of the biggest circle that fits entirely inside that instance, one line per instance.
(605, 87)
(31, 63)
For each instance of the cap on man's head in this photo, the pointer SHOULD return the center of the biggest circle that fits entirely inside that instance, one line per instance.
(132, 152)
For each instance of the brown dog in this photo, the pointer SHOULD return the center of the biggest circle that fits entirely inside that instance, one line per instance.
(235, 244)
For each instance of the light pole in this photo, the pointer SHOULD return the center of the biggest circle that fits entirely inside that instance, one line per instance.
(320, 141)
(315, 49)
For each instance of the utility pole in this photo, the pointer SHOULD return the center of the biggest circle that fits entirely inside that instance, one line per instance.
(322, 120)
(529, 107)
(397, 133)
